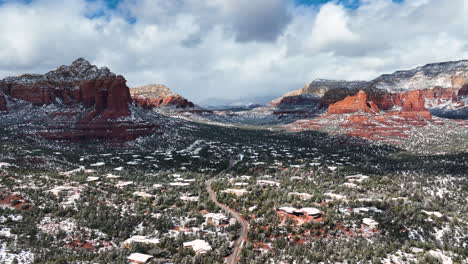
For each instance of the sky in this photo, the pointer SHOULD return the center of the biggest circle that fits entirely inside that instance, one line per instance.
(220, 51)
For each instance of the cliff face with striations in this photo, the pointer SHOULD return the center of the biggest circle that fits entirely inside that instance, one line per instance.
(442, 85)
(91, 102)
(352, 104)
(79, 83)
(412, 105)
(157, 95)
(3, 103)
(312, 92)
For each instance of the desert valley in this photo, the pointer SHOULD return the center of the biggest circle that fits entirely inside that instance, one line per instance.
(93, 171)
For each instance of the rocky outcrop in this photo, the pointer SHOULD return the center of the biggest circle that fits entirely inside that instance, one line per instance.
(110, 98)
(60, 86)
(95, 102)
(312, 92)
(156, 95)
(463, 91)
(412, 105)
(3, 103)
(336, 95)
(173, 100)
(443, 86)
(452, 74)
(79, 83)
(352, 104)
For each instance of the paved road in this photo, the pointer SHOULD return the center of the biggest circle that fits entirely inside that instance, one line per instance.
(234, 257)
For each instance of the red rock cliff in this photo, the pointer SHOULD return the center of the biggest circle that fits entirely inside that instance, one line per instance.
(106, 98)
(413, 105)
(156, 95)
(352, 104)
(79, 83)
(3, 103)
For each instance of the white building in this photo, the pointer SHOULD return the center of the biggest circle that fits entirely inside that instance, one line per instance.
(288, 210)
(306, 211)
(179, 184)
(216, 219)
(268, 183)
(122, 184)
(143, 194)
(92, 179)
(199, 246)
(236, 192)
(371, 223)
(138, 258)
(314, 212)
(357, 178)
(189, 198)
(140, 239)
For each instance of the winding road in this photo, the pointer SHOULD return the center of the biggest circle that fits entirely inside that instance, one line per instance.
(234, 257)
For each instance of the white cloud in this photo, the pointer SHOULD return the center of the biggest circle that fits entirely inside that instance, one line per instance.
(226, 48)
(331, 28)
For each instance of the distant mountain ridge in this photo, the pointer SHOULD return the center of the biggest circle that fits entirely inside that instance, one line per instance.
(444, 88)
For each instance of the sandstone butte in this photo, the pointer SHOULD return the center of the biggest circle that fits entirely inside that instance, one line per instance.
(411, 104)
(80, 83)
(106, 98)
(352, 104)
(157, 95)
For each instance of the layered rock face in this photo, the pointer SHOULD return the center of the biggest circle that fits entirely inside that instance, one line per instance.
(412, 105)
(80, 82)
(105, 98)
(3, 103)
(352, 104)
(453, 74)
(312, 92)
(110, 98)
(443, 85)
(156, 95)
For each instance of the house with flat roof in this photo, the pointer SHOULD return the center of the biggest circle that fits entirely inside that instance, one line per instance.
(138, 258)
(216, 219)
(140, 239)
(371, 223)
(199, 246)
(236, 192)
(268, 183)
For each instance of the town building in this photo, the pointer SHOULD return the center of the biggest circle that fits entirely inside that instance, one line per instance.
(138, 258)
(199, 246)
(236, 192)
(140, 239)
(216, 219)
(371, 223)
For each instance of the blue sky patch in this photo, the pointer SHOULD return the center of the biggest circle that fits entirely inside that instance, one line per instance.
(348, 3)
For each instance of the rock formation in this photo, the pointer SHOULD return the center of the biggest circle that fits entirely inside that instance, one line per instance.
(463, 91)
(352, 104)
(78, 83)
(443, 85)
(156, 95)
(104, 95)
(3, 103)
(313, 91)
(452, 74)
(412, 105)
